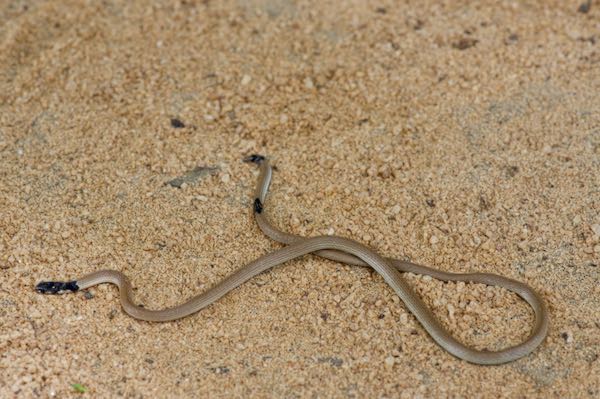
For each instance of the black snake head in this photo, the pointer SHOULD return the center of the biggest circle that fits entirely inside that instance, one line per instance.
(255, 158)
(56, 287)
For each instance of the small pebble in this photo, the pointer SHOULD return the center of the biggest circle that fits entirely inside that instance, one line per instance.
(308, 83)
(585, 7)
(245, 80)
(567, 336)
(176, 123)
(389, 361)
(395, 209)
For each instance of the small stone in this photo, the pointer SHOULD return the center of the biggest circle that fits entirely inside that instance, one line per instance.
(384, 171)
(584, 7)
(308, 83)
(389, 361)
(193, 175)
(433, 240)
(547, 149)
(225, 178)
(283, 119)
(245, 80)
(487, 246)
(465, 43)
(176, 123)
(596, 229)
(512, 38)
(567, 336)
(395, 209)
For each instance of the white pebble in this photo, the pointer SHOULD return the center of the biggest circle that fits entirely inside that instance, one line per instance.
(308, 83)
(245, 80)
(389, 361)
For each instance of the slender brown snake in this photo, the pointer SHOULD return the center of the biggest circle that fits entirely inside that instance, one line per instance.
(338, 249)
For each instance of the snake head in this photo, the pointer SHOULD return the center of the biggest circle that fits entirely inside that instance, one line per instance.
(56, 287)
(255, 158)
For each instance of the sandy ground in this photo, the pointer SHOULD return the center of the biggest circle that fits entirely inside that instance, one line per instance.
(461, 135)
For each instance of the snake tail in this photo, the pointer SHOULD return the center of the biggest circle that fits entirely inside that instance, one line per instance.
(56, 287)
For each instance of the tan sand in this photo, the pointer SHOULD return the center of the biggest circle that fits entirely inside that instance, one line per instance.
(461, 135)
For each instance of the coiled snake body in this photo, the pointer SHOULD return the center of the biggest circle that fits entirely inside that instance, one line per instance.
(338, 249)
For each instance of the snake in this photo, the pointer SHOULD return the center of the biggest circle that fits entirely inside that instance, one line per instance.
(338, 249)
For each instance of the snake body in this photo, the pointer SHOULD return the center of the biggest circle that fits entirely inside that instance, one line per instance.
(338, 249)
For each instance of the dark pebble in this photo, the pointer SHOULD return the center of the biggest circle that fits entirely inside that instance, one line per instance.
(465, 43)
(220, 370)
(334, 361)
(193, 175)
(176, 123)
(584, 8)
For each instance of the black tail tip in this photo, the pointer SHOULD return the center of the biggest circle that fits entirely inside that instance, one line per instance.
(255, 158)
(56, 287)
(258, 206)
